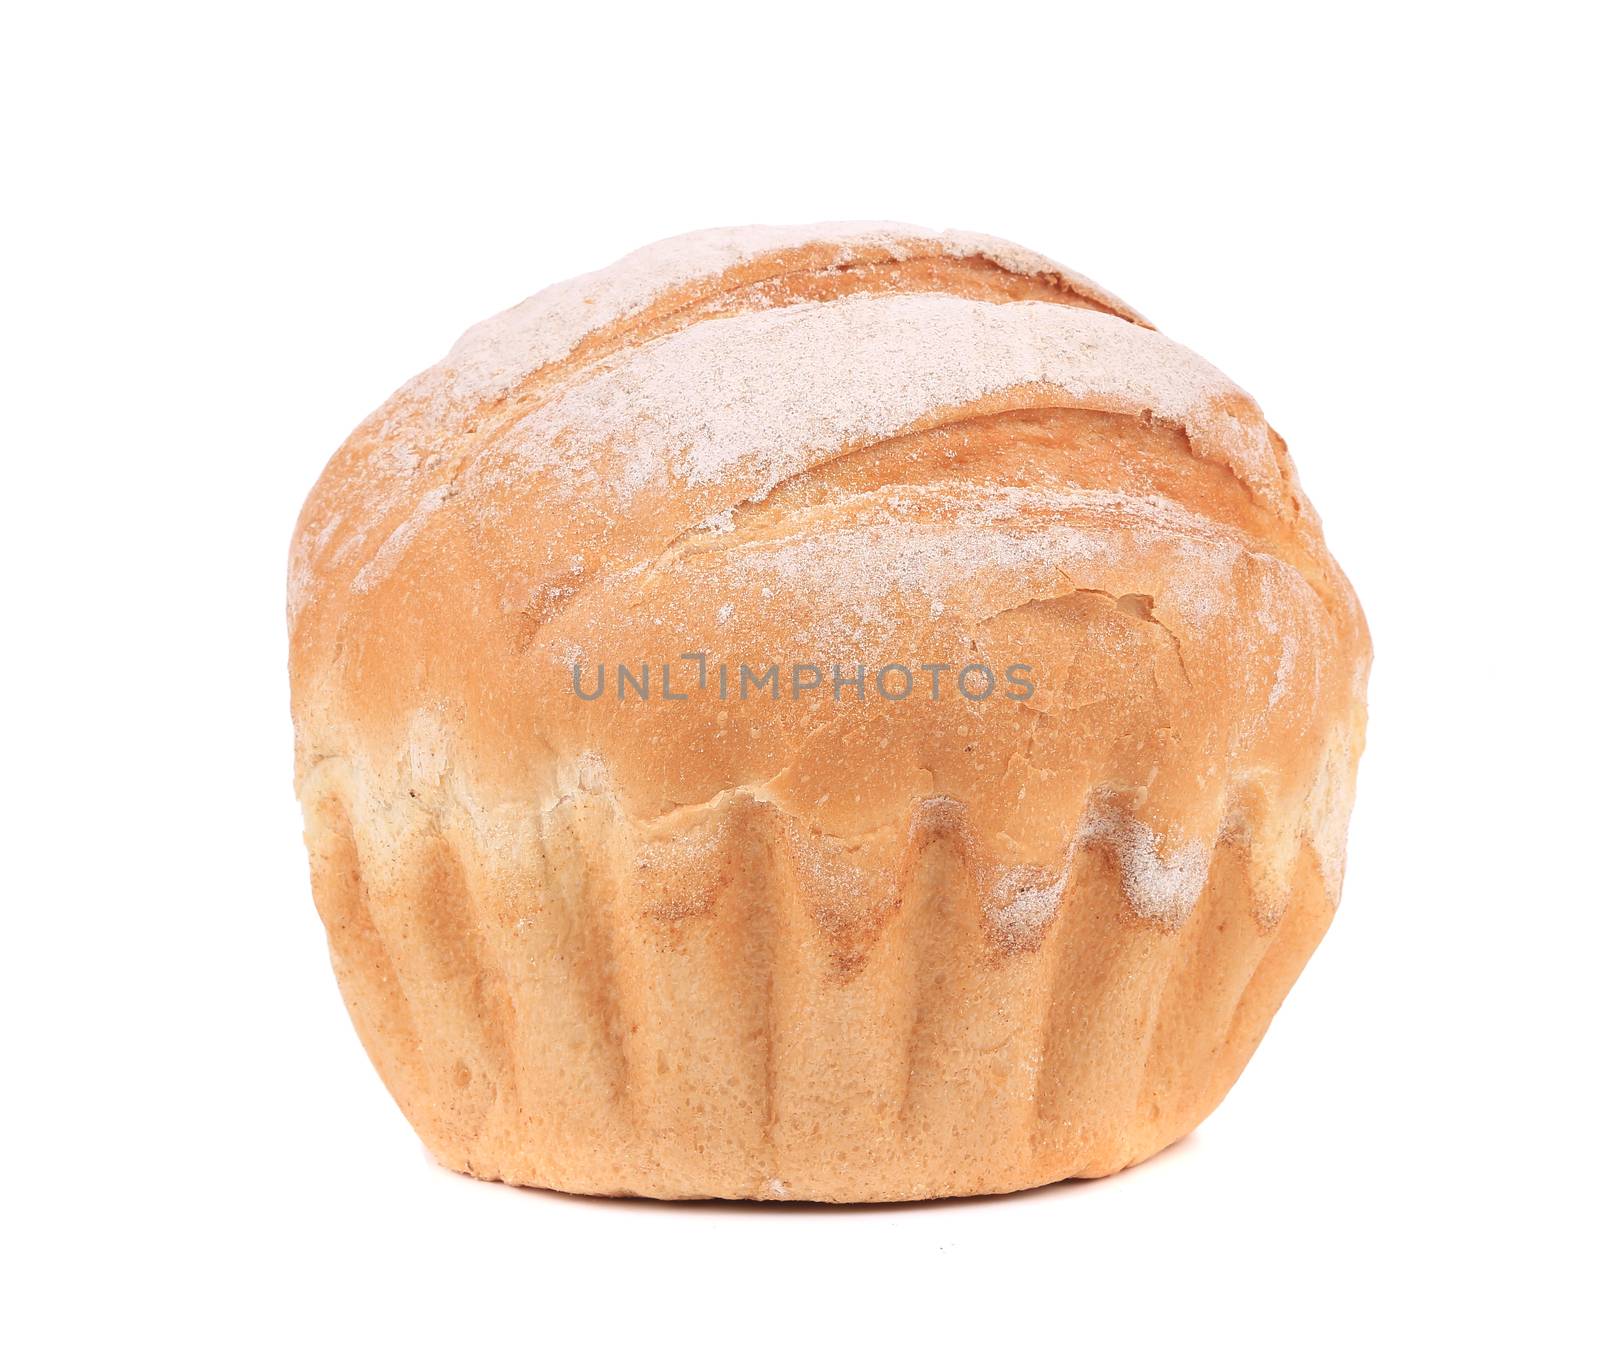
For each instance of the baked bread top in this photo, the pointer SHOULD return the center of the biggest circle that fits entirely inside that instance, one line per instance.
(856, 445)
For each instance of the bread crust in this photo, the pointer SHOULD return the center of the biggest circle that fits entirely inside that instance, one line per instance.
(805, 944)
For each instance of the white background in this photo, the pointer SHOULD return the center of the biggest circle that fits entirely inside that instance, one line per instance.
(229, 236)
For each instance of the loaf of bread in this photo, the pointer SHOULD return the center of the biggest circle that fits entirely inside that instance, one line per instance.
(840, 713)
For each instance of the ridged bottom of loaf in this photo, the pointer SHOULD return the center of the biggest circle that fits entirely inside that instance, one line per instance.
(547, 1013)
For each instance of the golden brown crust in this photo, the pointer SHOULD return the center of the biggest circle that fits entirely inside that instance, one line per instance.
(804, 945)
